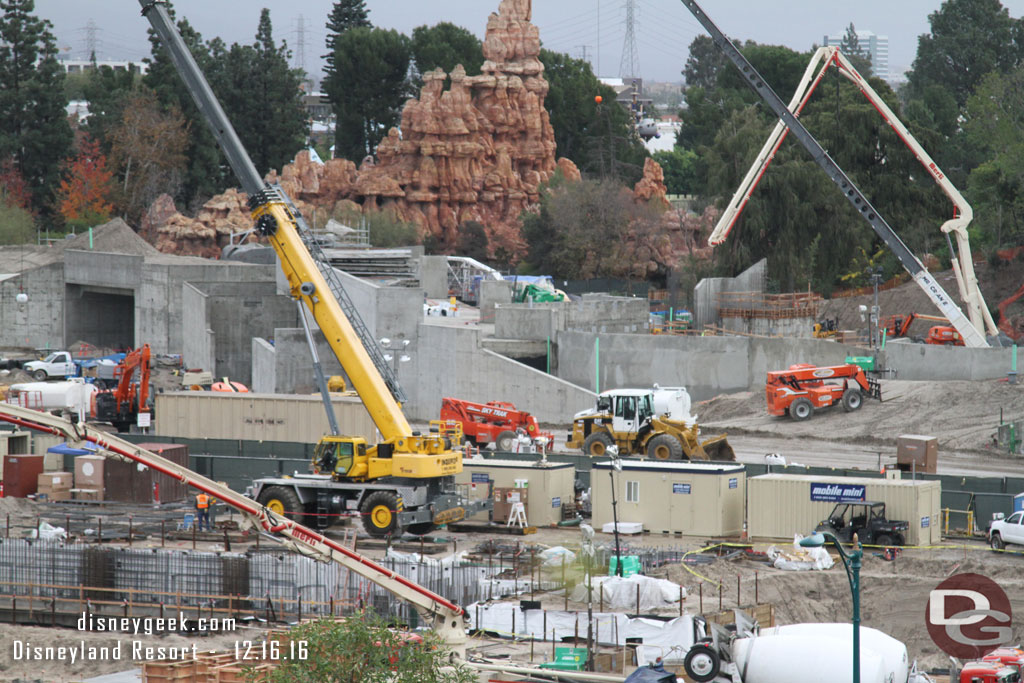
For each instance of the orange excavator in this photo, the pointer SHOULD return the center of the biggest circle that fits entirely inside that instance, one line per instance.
(121, 405)
(899, 326)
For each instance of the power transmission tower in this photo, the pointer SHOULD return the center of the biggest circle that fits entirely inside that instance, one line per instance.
(630, 65)
(300, 44)
(583, 52)
(90, 39)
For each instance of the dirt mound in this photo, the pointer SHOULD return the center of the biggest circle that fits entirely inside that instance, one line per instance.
(963, 415)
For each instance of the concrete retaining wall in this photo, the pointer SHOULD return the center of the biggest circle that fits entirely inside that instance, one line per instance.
(933, 362)
(705, 294)
(706, 366)
(450, 362)
(198, 340)
(597, 313)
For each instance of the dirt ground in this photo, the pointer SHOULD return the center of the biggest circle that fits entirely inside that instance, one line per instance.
(963, 415)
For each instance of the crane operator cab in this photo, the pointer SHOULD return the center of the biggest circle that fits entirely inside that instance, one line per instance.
(342, 457)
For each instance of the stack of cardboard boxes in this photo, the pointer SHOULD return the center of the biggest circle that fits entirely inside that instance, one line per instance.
(88, 477)
(54, 486)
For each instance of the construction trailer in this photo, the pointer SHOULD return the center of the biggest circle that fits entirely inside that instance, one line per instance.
(549, 486)
(258, 417)
(691, 499)
(14, 443)
(781, 505)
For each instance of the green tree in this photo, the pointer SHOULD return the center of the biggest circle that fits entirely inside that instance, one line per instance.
(859, 57)
(107, 91)
(703, 64)
(206, 170)
(471, 240)
(34, 130)
(680, 167)
(599, 138)
(16, 225)
(368, 88)
(363, 649)
(345, 14)
(444, 45)
(995, 127)
(587, 229)
(968, 40)
(271, 120)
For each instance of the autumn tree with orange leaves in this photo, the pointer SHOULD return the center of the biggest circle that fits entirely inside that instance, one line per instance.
(85, 193)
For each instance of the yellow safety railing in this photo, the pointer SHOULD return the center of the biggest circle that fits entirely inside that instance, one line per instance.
(969, 517)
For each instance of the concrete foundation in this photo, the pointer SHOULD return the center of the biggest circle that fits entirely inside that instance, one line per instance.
(595, 313)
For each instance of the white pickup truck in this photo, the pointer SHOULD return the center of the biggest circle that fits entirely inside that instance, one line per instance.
(57, 364)
(1003, 532)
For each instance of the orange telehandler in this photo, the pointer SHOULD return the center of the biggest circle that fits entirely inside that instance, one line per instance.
(803, 387)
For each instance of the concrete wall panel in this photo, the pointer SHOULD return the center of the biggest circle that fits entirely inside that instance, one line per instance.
(198, 340)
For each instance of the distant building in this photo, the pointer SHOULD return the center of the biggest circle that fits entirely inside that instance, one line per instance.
(74, 66)
(873, 46)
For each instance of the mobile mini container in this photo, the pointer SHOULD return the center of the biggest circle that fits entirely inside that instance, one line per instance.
(780, 505)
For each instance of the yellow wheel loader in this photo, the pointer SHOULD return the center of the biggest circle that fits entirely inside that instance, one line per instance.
(653, 423)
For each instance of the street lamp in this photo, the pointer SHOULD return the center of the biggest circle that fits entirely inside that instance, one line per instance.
(876, 279)
(392, 347)
(852, 564)
(616, 467)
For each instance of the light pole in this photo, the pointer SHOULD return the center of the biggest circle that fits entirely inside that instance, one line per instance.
(392, 355)
(616, 467)
(852, 564)
(876, 279)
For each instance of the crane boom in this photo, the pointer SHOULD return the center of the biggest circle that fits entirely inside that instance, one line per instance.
(963, 267)
(278, 222)
(444, 616)
(972, 335)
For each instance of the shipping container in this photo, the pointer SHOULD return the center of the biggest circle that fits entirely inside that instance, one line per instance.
(681, 497)
(127, 481)
(780, 505)
(551, 486)
(21, 475)
(170, 490)
(257, 417)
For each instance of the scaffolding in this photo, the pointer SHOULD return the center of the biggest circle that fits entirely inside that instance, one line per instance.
(758, 305)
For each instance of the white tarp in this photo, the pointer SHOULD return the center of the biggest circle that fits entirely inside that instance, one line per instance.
(661, 637)
(553, 557)
(624, 528)
(799, 558)
(456, 560)
(620, 593)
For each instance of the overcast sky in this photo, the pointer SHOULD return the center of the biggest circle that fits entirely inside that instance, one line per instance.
(663, 28)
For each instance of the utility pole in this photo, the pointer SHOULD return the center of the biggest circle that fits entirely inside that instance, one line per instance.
(630, 65)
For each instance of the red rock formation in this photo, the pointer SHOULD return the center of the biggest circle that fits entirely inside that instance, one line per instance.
(651, 187)
(476, 152)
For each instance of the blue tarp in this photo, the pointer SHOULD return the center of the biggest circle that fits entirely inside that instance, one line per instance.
(64, 449)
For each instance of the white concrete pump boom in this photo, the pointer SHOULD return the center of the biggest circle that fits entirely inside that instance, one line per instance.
(973, 336)
(963, 266)
(444, 617)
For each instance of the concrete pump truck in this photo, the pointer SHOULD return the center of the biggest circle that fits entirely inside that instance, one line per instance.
(405, 481)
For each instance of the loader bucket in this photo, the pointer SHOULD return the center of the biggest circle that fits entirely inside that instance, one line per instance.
(718, 448)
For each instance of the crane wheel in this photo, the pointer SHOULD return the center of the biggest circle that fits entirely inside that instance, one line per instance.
(664, 447)
(380, 514)
(852, 399)
(505, 441)
(801, 409)
(283, 501)
(597, 444)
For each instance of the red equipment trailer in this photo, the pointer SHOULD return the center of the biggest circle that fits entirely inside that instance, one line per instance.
(493, 422)
(803, 387)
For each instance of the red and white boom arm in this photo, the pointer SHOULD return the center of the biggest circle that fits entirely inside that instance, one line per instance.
(446, 618)
(963, 267)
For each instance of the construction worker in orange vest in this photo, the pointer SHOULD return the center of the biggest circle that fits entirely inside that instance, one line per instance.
(203, 507)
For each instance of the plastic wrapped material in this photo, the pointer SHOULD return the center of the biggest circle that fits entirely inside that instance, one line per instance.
(799, 558)
(553, 557)
(48, 532)
(619, 593)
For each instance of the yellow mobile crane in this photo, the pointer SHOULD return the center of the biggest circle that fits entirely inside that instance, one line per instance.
(406, 480)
